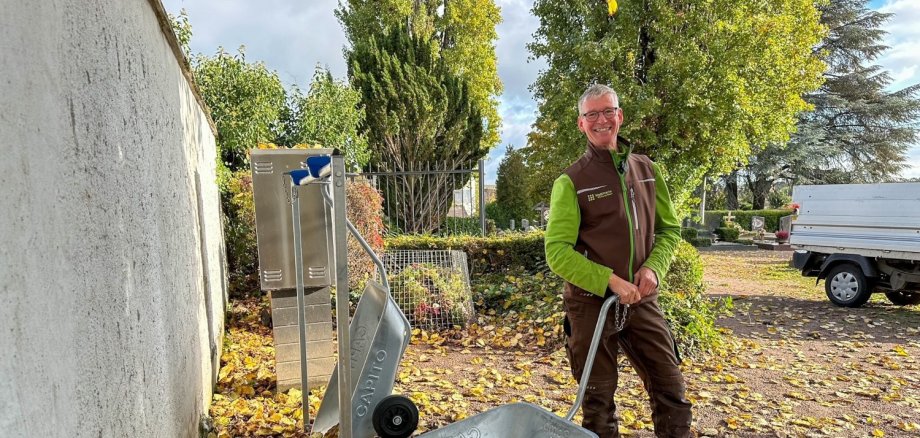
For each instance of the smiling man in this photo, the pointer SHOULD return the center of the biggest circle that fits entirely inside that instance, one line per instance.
(612, 230)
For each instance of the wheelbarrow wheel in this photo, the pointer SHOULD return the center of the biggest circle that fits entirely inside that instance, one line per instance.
(395, 417)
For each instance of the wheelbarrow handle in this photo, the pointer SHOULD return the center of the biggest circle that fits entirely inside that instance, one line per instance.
(592, 352)
(364, 244)
(318, 167)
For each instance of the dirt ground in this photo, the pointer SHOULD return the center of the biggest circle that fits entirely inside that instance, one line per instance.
(795, 365)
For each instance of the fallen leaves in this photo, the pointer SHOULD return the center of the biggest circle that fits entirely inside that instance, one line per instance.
(792, 365)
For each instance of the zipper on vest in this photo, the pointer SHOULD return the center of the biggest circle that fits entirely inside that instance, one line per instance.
(632, 197)
(632, 243)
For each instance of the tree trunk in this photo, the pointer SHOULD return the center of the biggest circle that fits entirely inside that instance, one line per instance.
(760, 186)
(731, 191)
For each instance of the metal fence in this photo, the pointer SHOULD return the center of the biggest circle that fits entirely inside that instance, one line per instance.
(432, 287)
(440, 199)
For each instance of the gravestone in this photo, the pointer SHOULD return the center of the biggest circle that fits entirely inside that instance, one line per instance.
(525, 224)
(785, 223)
(757, 223)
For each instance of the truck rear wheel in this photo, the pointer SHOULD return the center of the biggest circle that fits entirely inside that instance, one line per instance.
(903, 298)
(847, 286)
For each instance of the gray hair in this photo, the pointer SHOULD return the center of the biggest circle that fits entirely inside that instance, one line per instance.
(597, 90)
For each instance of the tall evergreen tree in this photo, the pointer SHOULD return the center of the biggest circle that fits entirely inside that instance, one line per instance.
(512, 195)
(859, 131)
(418, 114)
(699, 82)
(462, 32)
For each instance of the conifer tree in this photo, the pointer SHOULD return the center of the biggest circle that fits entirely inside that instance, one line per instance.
(418, 114)
(859, 132)
(512, 194)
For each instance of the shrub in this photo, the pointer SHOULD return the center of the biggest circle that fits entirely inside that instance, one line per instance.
(690, 313)
(435, 294)
(701, 242)
(365, 210)
(240, 234)
(689, 234)
(492, 254)
(727, 234)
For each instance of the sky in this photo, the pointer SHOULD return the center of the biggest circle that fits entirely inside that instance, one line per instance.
(293, 37)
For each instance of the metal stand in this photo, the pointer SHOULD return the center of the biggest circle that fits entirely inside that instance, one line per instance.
(301, 316)
(340, 252)
(340, 255)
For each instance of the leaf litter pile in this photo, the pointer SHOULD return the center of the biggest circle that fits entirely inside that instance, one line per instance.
(792, 364)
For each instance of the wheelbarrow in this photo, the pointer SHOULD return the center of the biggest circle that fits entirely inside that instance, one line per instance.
(525, 420)
(378, 333)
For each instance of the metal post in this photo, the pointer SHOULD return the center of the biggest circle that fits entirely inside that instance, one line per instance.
(301, 317)
(482, 196)
(703, 204)
(340, 249)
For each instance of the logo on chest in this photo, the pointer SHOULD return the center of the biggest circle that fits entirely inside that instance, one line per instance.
(597, 195)
(601, 195)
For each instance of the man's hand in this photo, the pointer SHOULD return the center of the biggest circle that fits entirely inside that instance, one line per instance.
(646, 281)
(628, 292)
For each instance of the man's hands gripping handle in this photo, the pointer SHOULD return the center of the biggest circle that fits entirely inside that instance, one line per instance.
(644, 283)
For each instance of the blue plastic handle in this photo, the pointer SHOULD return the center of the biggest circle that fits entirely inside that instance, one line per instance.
(300, 176)
(320, 166)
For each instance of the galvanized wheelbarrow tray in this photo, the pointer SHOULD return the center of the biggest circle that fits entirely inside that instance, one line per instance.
(376, 339)
(524, 420)
(380, 334)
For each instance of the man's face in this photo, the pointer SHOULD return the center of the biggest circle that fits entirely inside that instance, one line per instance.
(603, 131)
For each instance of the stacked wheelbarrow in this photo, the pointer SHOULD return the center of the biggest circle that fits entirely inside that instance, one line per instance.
(377, 336)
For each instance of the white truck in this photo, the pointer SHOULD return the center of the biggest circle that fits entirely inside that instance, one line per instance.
(859, 238)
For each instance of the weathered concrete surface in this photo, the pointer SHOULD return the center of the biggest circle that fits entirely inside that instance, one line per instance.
(112, 285)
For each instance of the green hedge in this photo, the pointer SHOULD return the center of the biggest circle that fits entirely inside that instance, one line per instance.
(486, 255)
(727, 234)
(700, 242)
(689, 234)
(743, 218)
(690, 313)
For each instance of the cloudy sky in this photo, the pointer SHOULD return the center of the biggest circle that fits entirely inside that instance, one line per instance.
(292, 37)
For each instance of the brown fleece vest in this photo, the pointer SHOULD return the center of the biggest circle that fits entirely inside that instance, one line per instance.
(604, 232)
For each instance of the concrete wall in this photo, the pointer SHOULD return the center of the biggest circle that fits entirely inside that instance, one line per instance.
(112, 282)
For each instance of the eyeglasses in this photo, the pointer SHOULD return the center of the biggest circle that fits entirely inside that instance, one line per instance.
(608, 113)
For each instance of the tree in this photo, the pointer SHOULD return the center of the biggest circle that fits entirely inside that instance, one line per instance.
(330, 114)
(512, 196)
(245, 99)
(699, 82)
(858, 131)
(417, 113)
(183, 31)
(461, 32)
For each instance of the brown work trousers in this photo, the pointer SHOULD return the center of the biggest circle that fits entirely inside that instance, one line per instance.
(649, 346)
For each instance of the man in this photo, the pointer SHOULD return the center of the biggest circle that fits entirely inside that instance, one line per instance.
(612, 229)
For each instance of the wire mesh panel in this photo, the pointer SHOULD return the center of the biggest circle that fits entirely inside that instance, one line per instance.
(432, 287)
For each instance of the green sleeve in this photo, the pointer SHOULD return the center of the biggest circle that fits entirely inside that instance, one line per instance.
(667, 228)
(560, 238)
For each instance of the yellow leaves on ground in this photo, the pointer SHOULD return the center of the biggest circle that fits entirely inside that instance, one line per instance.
(791, 366)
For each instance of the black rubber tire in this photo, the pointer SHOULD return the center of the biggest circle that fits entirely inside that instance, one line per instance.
(903, 298)
(395, 417)
(847, 286)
